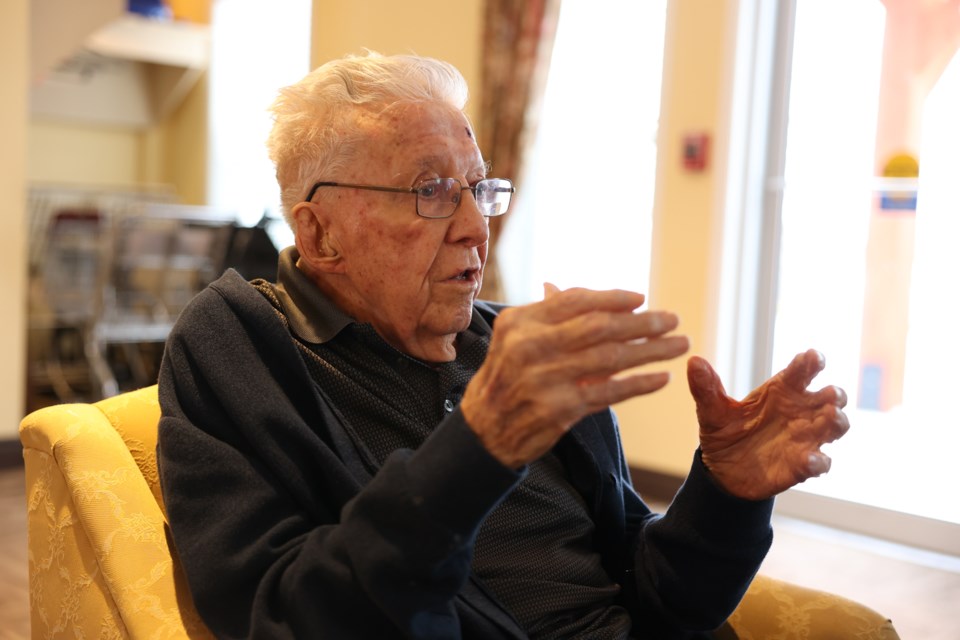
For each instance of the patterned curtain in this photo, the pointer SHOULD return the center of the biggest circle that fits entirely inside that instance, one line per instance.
(517, 43)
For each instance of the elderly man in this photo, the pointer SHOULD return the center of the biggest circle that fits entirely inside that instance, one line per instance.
(364, 450)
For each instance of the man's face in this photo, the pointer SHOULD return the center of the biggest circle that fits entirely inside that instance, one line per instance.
(413, 278)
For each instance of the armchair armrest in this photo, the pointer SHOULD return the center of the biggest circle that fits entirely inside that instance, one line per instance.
(776, 609)
(99, 556)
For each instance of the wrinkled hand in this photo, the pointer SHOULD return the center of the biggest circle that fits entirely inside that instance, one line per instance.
(769, 441)
(554, 362)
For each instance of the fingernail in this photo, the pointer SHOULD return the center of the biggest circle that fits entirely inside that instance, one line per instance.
(817, 464)
(821, 360)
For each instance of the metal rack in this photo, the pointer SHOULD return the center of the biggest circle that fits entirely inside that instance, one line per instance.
(110, 272)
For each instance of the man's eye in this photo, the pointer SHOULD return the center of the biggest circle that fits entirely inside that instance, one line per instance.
(428, 189)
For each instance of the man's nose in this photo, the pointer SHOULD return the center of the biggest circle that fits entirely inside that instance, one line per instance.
(468, 223)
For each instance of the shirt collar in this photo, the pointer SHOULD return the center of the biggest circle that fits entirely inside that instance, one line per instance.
(313, 317)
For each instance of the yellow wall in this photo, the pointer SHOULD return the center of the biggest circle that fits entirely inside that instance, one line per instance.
(14, 63)
(70, 154)
(172, 152)
(452, 33)
(179, 149)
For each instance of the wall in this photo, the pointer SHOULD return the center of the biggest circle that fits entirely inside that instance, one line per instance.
(61, 153)
(181, 159)
(451, 32)
(660, 431)
(66, 148)
(14, 61)
(170, 152)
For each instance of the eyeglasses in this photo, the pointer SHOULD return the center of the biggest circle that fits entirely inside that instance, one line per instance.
(440, 197)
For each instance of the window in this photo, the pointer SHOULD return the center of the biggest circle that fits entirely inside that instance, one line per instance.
(257, 47)
(859, 245)
(584, 210)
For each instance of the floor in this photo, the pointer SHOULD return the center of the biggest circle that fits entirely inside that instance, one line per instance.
(919, 591)
(14, 598)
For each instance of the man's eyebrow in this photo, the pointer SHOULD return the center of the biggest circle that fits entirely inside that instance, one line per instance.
(428, 162)
(434, 161)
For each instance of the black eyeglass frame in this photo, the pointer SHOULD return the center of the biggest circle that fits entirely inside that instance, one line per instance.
(416, 191)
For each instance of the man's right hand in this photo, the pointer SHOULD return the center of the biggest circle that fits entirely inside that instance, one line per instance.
(554, 362)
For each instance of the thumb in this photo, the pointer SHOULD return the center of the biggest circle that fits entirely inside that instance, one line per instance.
(550, 289)
(705, 386)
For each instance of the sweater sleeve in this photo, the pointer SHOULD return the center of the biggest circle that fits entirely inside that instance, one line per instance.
(276, 538)
(694, 563)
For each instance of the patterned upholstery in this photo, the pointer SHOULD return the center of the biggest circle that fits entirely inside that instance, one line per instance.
(101, 564)
(100, 560)
(777, 610)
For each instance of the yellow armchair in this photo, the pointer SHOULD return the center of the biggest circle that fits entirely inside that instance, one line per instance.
(102, 564)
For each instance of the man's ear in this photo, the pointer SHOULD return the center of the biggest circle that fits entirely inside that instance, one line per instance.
(316, 243)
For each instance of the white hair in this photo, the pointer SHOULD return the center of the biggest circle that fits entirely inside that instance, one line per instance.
(316, 131)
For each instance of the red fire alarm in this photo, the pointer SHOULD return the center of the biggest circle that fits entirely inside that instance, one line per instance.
(695, 147)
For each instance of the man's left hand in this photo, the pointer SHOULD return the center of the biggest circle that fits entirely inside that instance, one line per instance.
(769, 441)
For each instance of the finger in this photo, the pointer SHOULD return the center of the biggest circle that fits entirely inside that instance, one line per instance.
(831, 395)
(818, 463)
(550, 289)
(803, 369)
(569, 303)
(705, 385)
(597, 328)
(600, 395)
(612, 358)
(831, 424)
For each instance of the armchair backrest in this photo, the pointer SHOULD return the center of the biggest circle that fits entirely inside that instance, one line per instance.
(101, 561)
